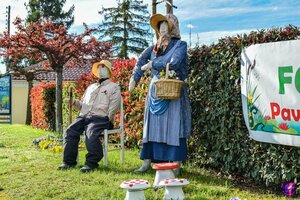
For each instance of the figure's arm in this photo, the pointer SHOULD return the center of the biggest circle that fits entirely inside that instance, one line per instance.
(114, 103)
(178, 55)
(143, 59)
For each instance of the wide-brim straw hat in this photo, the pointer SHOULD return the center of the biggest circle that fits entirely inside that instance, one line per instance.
(156, 18)
(106, 63)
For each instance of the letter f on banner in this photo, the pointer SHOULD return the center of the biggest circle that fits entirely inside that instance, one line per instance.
(282, 79)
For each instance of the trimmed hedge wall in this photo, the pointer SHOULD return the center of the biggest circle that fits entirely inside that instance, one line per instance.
(42, 106)
(220, 138)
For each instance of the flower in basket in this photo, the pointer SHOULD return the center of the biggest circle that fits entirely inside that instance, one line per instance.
(162, 73)
(172, 74)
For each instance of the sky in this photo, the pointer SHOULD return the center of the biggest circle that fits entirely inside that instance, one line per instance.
(201, 21)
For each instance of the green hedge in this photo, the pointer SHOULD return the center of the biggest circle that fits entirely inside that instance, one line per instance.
(49, 95)
(220, 138)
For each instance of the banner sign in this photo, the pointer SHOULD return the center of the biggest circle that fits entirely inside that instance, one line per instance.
(5, 95)
(270, 84)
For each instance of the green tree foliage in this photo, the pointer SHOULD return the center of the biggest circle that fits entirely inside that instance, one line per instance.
(52, 9)
(126, 26)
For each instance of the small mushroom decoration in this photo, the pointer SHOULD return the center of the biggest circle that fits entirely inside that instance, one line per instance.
(135, 188)
(173, 188)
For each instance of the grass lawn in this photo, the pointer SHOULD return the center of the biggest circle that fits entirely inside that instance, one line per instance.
(30, 173)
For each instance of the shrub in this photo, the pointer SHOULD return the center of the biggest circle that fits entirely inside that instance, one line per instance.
(49, 96)
(134, 102)
(42, 106)
(84, 81)
(65, 106)
(220, 138)
(49, 142)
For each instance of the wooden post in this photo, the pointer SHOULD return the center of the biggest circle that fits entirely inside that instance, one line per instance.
(169, 6)
(8, 19)
(153, 7)
(8, 32)
(154, 12)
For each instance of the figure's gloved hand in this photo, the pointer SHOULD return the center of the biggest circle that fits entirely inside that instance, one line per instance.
(147, 66)
(132, 84)
(67, 100)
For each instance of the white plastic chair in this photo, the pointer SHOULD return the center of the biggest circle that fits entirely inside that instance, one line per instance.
(107, 133)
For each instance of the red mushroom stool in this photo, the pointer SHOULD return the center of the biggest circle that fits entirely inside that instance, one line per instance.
(135, 189)
(163, 171)
(173, 188)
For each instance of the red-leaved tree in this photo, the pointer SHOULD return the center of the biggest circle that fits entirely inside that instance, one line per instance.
(43, 40)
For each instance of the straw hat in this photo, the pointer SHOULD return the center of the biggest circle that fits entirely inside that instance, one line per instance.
(172, 23)
(106, 63)
(156, 18)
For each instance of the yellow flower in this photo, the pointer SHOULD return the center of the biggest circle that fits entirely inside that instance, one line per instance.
(44, 144)
(162, 74)
(250, 98)
(81, 145)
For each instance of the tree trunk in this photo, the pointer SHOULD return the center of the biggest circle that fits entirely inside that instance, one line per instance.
(28, 112)
(59, 81)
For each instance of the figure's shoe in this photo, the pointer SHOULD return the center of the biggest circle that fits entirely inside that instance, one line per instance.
(86, 169)
(145, 166)
(177, 170)
(65, 166)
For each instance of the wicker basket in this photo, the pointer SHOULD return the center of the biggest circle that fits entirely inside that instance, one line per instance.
(168, 88)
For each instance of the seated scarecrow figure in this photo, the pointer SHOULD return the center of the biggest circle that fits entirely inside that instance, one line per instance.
(167, 123)
(98, 107)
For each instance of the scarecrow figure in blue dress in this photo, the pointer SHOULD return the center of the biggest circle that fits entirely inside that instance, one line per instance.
(167, 123)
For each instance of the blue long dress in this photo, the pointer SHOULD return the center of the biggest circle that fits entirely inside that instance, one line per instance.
(167, 123)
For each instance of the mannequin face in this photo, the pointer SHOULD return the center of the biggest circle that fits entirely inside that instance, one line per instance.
(163, 28)
(103, 72)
